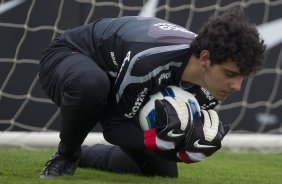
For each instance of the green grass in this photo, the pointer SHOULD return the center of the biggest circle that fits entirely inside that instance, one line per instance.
(23, 166)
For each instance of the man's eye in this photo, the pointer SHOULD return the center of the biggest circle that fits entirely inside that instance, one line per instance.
(229, 74)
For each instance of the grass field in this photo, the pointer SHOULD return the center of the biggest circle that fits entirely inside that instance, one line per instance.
(23, 166)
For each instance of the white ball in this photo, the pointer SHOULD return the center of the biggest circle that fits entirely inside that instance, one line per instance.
(147, 112)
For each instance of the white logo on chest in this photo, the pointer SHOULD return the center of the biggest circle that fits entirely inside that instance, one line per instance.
(164, 76)
(138, 102)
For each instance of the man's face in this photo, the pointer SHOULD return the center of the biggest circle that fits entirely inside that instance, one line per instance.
(222, 79)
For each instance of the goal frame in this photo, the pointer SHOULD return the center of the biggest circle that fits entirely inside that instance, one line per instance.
(233, 142)
(37, 125)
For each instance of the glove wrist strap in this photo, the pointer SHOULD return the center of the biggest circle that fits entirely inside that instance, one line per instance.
(150, 140)
(184, 157)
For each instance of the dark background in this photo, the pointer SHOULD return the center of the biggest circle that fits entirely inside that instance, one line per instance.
(26, 30)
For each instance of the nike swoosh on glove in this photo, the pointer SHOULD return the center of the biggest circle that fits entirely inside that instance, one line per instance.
(206, 133)
(203, 139)
(173, 118)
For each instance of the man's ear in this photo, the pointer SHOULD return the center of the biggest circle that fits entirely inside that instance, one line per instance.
(205, 58)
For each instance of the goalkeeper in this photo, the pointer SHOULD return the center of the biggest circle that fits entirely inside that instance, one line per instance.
(103, 72)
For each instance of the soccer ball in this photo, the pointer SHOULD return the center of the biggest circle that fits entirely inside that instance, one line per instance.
(147, 112)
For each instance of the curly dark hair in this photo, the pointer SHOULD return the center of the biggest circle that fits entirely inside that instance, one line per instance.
(231, 36)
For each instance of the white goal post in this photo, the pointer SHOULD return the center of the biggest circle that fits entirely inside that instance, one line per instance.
(29, 119)
(233, 142)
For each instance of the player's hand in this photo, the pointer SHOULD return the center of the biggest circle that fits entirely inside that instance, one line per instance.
(173, 118)
(203, 139)
(206, 133)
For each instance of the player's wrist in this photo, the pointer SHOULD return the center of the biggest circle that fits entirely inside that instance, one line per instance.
(150, 139)
(190, 157)
(153, 143)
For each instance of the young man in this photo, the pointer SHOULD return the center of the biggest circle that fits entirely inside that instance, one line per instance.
(103, 72)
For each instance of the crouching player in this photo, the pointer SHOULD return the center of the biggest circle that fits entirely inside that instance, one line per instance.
(179, 131)
(103, 71)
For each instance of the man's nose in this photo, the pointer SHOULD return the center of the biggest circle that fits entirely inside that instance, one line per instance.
(237, 83)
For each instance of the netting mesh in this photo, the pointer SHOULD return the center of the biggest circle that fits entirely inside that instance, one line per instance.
(28, 27)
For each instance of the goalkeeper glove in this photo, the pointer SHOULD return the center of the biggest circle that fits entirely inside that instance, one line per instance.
(204, 138)
(173, 119)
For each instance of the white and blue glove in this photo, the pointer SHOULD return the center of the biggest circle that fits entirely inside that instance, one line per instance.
(173, 119)
(203, 139)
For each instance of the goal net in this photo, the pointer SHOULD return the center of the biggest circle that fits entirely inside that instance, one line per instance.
(27, 27)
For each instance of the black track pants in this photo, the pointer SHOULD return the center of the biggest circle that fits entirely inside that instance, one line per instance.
(80, 88)
(114, 159)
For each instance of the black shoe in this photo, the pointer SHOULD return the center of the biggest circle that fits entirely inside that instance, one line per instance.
(59, 166)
